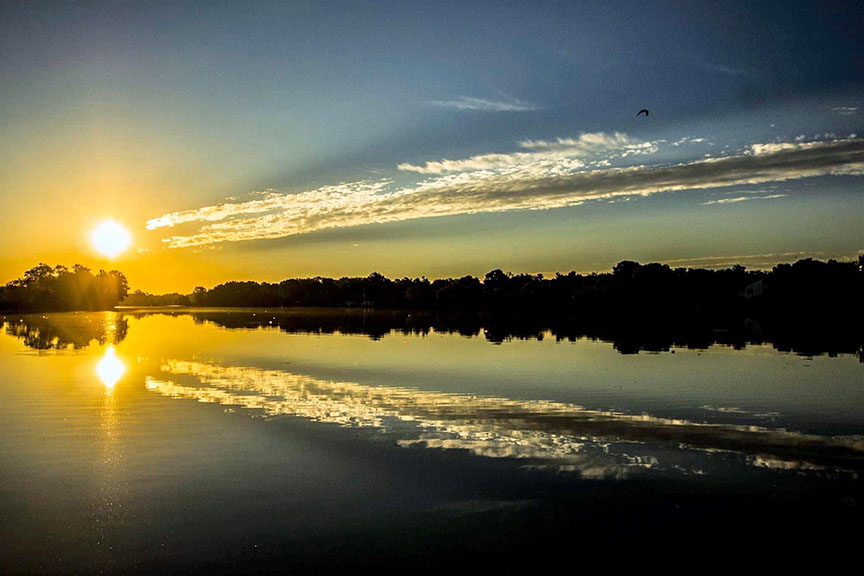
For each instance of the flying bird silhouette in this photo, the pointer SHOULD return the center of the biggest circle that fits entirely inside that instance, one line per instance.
(641, 111)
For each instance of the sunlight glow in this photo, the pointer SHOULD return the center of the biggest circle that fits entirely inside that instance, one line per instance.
(110, 369)
(110, 238)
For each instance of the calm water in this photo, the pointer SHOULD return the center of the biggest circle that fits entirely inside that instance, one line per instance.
(219, 442)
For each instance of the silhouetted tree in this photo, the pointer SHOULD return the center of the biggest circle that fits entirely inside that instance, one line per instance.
(631, 290)
(45, 288)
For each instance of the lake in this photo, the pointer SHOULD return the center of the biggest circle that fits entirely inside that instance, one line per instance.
(254, 441)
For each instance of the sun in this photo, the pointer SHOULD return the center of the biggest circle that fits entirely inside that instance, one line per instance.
(110, 238)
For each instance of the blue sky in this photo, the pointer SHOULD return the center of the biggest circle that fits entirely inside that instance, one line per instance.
(143, 111)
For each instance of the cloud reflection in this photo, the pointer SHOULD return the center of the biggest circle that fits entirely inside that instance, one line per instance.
(590, 441)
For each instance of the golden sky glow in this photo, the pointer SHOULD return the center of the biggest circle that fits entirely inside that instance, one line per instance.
(243, 160)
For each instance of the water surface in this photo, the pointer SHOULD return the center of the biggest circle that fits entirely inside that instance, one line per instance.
(248, 440)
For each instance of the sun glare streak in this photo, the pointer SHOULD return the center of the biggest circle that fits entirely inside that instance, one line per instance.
(110, 238)
(110, 369)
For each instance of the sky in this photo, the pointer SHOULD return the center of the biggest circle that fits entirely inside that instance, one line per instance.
(267, 140)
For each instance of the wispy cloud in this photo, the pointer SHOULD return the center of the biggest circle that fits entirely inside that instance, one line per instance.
(529, 182)
(688, 140)
(722, 68)
(326, 198)
(743, 199)
(561, 153)
(486, 105)
(845, 110)
(755, 260)
(818, 141)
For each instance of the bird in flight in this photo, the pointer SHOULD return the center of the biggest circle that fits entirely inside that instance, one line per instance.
(641, 111)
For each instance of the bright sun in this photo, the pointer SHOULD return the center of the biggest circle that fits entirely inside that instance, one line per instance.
(110, 238)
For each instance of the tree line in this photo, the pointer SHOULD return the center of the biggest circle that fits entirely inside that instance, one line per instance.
(45, 288)
(629, 289)
(807, 287)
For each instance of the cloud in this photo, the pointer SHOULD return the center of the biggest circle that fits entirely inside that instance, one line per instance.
(736, 410)
(485, 105)
(532, 183)
(688, 140)
(722, 68)
(216, 213)
(589, 143)
(757, 261)
(562, 153)
(845, 110)
(743, 199)
(324, 198)
(799, 144)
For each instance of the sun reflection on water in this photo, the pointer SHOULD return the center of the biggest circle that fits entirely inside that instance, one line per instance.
(110, 369)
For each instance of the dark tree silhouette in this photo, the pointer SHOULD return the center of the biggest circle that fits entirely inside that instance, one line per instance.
(807, 288)
(43, 288)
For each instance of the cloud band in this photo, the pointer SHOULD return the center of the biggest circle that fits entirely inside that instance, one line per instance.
(524, 183)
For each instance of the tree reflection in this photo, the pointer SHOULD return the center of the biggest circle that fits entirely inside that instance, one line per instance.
(627, 336)
(65, 331)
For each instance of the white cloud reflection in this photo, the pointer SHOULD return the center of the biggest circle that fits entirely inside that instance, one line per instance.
(593, 442)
